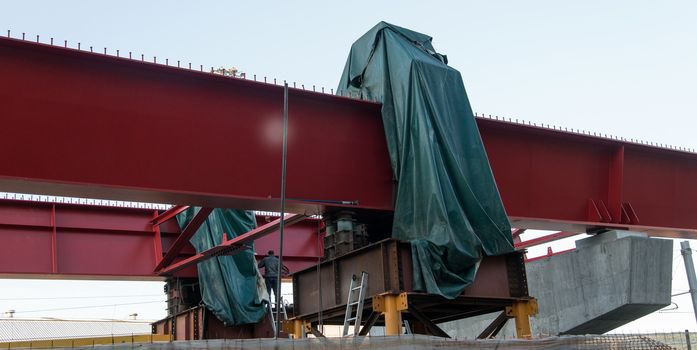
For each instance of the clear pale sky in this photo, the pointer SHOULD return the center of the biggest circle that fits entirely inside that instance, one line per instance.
(627, 68)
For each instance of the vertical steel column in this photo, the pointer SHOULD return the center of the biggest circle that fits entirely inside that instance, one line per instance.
(391, 306)
(54, 240)
(283, 209)
(157, 239)
(687, 340)
(393, 316)
(320, 253)
(686, 252)
(615, 184)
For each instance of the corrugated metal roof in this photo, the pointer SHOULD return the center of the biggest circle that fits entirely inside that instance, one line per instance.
(17, 329)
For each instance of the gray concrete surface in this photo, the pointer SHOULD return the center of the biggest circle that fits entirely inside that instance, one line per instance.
(609, 280)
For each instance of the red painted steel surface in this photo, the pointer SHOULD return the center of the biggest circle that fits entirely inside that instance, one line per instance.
(89, 240)
(302, 244)
(548, 179)
(169, 214)
(86, 125)
(111, 242)
(89, 125)
(549, 254)
(184, 237)
(231, 246)
(545, 239)
(83, 124)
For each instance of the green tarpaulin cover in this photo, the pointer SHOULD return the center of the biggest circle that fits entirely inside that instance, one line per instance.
(447, 204)
(228, 283)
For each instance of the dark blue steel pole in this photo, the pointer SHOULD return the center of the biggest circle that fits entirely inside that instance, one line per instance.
(283, 209)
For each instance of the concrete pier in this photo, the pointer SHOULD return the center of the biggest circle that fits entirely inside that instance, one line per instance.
(609, 280)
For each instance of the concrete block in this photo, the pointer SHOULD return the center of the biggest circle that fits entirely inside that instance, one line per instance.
(605, 283)
(609, 280)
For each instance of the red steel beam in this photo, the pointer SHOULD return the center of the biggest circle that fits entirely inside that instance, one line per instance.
(549, 254)
(91, 116)
(549, 179)
(184, 237)
(545, 239)
(157, 240)
(232, 246)
(63, 240)
(39, 239)
(517, 232)
(168, 214)
(93, 119)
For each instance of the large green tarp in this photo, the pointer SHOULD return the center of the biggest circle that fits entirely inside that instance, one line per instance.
(228, 283)
(447, 204)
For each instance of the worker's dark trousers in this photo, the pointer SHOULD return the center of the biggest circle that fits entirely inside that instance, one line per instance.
(271, 283)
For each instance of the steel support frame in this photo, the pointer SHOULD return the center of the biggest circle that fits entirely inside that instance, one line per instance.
(494, 327)
(42, 239)
(298, 328)
(389, 264)
(545, 239)
(391, 307)
(169, 214)
(520, 311)
(559, 180)
(231, 246)
(549, 254)
(183, 238)
(49, 240)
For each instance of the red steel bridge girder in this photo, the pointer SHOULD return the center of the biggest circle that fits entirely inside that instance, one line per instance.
(92, 125)
(48, 240)
(555, 180)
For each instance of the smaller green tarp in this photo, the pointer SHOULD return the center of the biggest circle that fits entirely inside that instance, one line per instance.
(447, 204)
(228, 283)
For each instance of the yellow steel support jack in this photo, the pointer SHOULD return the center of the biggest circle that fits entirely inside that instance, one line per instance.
(296, 328)
(521, 311)
(391, 306)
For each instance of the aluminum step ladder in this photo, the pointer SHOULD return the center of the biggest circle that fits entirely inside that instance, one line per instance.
(272, 312)
(407, 327)
(356, 295)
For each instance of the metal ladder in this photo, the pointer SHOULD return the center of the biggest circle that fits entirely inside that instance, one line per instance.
(357, 301)
(272, 312)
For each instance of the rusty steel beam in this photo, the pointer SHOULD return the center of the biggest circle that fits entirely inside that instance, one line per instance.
(389, 267)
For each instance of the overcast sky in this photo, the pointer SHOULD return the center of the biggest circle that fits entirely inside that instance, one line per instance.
(626, 68)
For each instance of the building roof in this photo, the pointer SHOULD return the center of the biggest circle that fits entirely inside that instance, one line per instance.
(19, 329)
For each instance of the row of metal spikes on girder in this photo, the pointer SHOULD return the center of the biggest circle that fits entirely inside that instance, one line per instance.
(219, 72)
(110, 203)
(584, 132)
(82, 201)
(222, 72)
(243, 76)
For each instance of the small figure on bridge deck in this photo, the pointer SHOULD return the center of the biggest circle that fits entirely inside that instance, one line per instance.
(270, 264)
